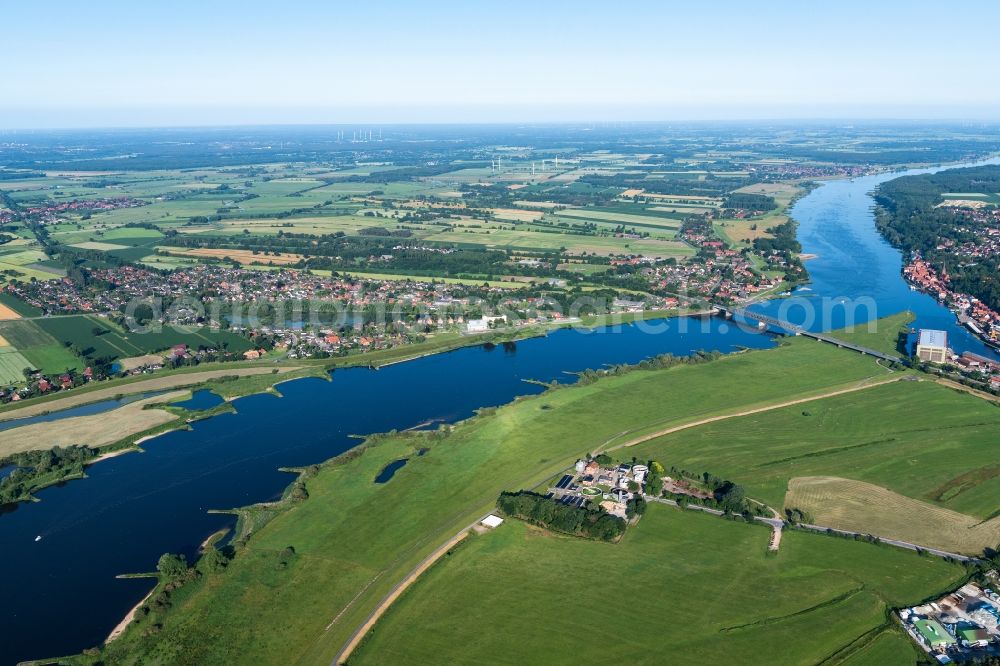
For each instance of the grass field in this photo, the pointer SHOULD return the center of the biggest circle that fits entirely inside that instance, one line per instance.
(887, 335)
(917, 439)
(40, 350)
(355, 539)
(12, 365)
(709, 594)
(859, 506)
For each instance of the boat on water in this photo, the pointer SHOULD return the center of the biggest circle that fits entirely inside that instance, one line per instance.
(38, 538)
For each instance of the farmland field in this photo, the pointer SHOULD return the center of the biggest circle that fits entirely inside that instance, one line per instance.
(39, 349)
(707, 589)
(78, 330)
(858, 506)
(622, 218)
(242, 256)
(12, 364)
(573, 243)
(94, 430)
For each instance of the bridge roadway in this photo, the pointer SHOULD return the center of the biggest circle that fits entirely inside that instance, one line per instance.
(794, 329)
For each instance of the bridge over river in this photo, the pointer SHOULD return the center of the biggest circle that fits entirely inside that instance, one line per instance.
(794, 329)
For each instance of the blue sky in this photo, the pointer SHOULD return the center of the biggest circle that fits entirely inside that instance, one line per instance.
(109, 63)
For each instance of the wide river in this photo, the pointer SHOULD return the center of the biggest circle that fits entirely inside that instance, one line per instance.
(61, 594)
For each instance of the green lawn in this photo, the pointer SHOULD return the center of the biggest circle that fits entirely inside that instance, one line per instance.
(886, 335)
(680, 587)
(354, 539)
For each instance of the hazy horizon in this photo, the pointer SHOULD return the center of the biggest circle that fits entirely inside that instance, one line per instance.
(120, 64)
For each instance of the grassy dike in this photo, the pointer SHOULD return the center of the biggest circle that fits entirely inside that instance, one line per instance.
(354, 540)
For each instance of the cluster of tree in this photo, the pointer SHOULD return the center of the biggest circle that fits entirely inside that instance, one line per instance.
(749, 201)
(783, 241)
(385, 233)
(34, 469)
(635, 506)
(796, 515)
(592, 522)
(728, 496)
(20, 175)
(659, 362)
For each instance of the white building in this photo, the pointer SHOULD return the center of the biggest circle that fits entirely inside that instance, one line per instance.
(932, 346)
(491, 521)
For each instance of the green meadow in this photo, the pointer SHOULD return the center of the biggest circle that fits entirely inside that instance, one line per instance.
(680, 586)
(353, 539)
(918, 439)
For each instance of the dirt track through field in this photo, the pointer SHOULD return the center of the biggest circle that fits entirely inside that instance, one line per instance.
(394, 593)
(748, 412)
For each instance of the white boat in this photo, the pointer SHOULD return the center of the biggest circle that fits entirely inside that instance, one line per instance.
(38, 538)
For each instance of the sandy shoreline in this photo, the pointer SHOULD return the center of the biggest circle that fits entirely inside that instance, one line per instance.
(112, 454)
(127, 620)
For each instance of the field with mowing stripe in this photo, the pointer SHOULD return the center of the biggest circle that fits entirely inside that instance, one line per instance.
(94, 430)
(79, 331)
(623, 218)
(12, 365)
(694, 587)
(859, 506)
(40, 350)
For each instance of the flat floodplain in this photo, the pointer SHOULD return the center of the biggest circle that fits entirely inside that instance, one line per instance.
(355, 539)
(707, 590)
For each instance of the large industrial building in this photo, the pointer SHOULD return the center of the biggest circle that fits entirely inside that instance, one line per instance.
(932, 346)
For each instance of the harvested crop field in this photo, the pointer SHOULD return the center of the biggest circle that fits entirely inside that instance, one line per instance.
(538, 204)
(97, 245)
(622, 218)
(516, 214)
(864, 507)
(7, 313)
(94, 430)
(242, 256)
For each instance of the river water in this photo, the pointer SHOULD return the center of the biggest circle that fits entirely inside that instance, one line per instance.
(856, 271)
(61, 594)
